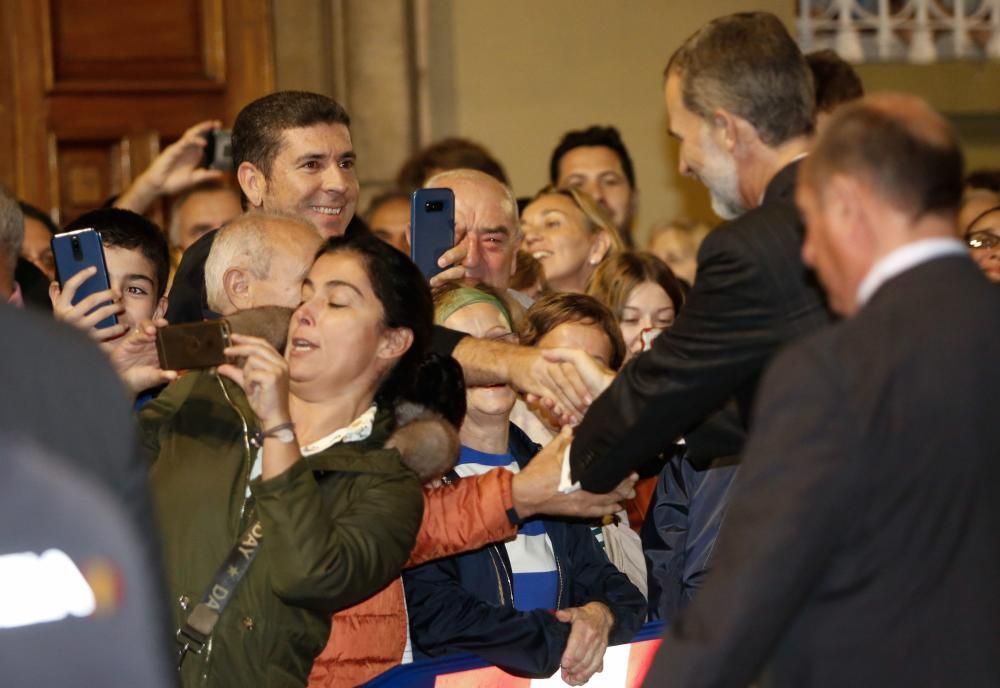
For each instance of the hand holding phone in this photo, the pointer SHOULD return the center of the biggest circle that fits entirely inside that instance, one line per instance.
(83, 295)
(192, 345)
(262, 372)
(135, 359)
(432, 228)
(218, 151)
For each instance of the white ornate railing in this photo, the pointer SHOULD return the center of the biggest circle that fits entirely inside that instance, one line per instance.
(917, 31)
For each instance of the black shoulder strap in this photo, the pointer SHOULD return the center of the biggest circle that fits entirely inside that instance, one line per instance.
(196, 630)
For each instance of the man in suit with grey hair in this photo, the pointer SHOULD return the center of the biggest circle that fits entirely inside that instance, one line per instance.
(861, 544)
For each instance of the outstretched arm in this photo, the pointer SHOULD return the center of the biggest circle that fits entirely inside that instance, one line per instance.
(528, 370)
(176, 168)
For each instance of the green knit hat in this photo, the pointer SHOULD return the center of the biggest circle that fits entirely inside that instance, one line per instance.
(466, 296)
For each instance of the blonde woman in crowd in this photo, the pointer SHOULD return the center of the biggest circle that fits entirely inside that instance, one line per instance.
(569, 234)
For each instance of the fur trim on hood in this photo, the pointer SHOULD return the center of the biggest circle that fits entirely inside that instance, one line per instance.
(427, 442)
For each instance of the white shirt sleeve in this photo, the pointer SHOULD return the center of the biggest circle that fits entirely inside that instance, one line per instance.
(566, 484)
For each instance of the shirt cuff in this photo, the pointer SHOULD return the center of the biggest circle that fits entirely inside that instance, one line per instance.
(566, 484)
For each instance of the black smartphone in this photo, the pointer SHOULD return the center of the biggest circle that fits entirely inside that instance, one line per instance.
(192, 345)
(74, 251)
(432, 227)
(218, 153)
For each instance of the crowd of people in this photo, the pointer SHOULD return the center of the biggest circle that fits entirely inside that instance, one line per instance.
(774, 435)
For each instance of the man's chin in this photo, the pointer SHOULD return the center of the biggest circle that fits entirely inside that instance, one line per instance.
(330, 226)
(725, 209)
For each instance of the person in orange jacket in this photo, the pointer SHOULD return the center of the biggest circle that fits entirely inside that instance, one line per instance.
(371, 637)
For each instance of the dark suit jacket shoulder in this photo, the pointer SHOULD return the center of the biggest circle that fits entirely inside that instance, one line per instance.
(752, 295)
(860, 546)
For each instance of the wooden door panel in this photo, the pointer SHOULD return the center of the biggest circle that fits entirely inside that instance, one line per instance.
(89, 171)
(88, 116)
(150, 45)
(91, 89)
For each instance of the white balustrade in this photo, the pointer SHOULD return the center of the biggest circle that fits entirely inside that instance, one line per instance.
(916, 31)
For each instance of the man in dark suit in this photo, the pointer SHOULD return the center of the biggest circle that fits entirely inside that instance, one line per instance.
(740, 102)
(861, 544)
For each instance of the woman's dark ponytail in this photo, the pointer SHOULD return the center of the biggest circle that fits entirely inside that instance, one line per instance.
(439, 387)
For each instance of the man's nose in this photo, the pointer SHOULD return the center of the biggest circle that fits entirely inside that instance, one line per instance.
(472, 254)
(335, 179)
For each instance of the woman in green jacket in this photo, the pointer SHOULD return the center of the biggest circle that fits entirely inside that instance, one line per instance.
(280, 462)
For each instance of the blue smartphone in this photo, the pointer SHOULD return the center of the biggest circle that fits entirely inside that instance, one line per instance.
(432, 227)
(74, 251)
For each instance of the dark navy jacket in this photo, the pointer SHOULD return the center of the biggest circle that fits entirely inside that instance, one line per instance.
(464, 603)
(678, 535)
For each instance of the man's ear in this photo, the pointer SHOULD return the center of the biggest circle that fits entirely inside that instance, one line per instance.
(734, 134)
(236, 282)
(836, 197)
(725, 129)
(845, 199)
(253, 183)
(395, 342)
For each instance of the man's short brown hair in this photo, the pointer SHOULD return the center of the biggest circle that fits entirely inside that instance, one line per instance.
(747, 64)
(448, 154)
(834, 78)
(899, 146)
(259, 126)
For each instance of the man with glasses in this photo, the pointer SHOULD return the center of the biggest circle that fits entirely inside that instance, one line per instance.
(983, 238)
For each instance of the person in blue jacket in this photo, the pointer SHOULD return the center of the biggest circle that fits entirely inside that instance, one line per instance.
(547, 599)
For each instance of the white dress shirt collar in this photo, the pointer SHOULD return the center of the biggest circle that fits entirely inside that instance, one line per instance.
(359, 429)
(905, 258)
